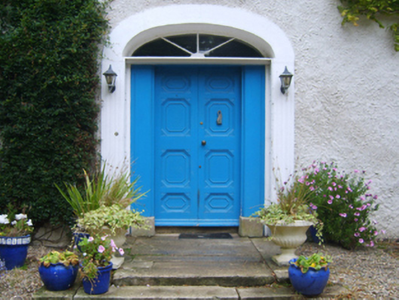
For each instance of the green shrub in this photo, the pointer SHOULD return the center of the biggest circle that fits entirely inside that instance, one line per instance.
(343, 203)
(49, 52)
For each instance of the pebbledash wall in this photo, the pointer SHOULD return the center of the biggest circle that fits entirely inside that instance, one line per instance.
(343, 105)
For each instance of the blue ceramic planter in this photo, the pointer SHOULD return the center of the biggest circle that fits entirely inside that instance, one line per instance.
(57, 277)
(99, 285)
(13, 250)
(311, 283)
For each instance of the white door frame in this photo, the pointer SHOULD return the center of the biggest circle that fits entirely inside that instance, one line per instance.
(254, 29)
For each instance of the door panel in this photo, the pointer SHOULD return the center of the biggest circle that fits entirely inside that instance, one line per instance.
(197, 145)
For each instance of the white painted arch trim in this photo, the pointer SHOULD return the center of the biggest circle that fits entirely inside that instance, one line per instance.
(258, 31)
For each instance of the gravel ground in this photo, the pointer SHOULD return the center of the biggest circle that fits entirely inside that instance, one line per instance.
(369, 273)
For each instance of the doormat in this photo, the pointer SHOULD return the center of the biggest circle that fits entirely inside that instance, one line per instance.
(205, 236)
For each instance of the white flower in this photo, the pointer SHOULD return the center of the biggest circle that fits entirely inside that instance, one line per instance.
(13, 223)
(4, 219)
(29, 222)
(20, 217)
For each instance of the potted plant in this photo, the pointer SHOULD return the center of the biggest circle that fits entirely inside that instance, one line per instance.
(290, 218)
(15, 237)
(100, 190)
(112, 220)
(96, 264)
(58, 270)
(309, 275)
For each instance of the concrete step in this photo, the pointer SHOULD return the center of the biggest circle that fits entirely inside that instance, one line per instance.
(168, 260)
(189, 292)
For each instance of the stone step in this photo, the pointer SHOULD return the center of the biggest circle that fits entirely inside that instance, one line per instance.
(188, 292)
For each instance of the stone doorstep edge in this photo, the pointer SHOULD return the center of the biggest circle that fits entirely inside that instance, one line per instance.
(208, 292)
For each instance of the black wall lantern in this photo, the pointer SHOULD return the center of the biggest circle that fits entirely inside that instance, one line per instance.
(285, 78)
(110, 77)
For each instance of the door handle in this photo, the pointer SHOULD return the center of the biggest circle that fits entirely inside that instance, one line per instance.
(203, 143)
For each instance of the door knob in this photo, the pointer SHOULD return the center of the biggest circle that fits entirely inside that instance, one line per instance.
(203, 143)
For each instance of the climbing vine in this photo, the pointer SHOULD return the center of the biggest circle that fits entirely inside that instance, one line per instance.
(352, 10)
(49, 54)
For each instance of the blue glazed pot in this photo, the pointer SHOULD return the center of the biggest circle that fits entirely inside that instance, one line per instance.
(13, 250)
(99, 285)
(311, 283)
(57, 277)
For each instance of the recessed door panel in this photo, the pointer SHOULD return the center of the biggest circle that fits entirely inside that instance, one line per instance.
(197, 145)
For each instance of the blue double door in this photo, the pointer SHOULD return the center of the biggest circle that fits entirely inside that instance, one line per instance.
(197, 138)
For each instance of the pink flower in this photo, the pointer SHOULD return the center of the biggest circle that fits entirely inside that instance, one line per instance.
(90, 239)
(375, 197)
(356, 171)
(104, 237)
(331, 197)
(333, 184)
(340, 186)
(330, 201)
(375, 232)
(121, 252)
(357, 214)
(356, 220)
(343, 215)
(113, 245)
(361, 241)
(338, 196)
(383, 231)
(330, 188)
(357, 234)
(101, 249)
(311, 188)
(361, 229)
(350, 206)
(371, 244)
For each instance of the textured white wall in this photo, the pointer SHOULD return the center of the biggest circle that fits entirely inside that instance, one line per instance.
(346, 89)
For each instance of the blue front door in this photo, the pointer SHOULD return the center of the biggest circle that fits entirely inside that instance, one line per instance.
(197, 121)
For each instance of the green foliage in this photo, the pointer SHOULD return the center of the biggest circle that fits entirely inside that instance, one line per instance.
(102, 189)
(66, 258)
(344, 204)
(49, 52)
(351, 10)
(317, 261)
(292, 204)
(114, 217)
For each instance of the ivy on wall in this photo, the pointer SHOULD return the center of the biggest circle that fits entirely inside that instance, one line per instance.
(351, 10)
(49, 59)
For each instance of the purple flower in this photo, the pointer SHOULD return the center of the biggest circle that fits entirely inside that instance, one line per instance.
(90, 239)
(333, 184)
(311, 188)
(330, 188)
(361, 229)
(357, 214)
(113, 245)
(343, 215)
(356, 171)
(101, 249)
(350, 206)
(357, 234)
(121, 252)
(371, 244)
(330, 201)
(375, 197)
(361, 241)
(104, 237)
(383, 231)
(313, 206)
(338, 196)
(356, 220)
(375, 232)
(331, 197)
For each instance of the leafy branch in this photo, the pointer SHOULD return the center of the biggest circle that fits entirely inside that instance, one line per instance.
(352, 10)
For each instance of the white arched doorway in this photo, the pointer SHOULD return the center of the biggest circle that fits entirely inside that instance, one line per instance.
(139, 29)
